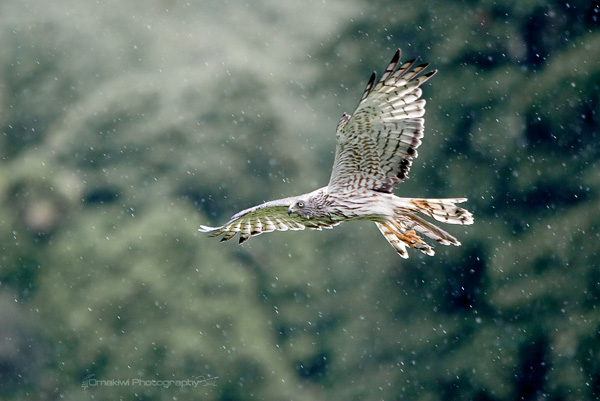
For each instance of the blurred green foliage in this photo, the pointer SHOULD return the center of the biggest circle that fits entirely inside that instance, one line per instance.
(126, 125)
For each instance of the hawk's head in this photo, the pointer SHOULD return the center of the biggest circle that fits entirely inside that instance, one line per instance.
(305, 207)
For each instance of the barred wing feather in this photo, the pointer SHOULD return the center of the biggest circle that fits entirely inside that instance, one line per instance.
(376, 145)
(264, 218)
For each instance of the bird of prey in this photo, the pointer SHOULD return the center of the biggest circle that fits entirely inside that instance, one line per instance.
(374, 151)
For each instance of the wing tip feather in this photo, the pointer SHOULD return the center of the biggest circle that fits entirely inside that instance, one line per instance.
(206, 229)
(369, 87)
(396, 57)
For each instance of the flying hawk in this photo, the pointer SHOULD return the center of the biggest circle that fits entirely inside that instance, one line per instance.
(374, 151)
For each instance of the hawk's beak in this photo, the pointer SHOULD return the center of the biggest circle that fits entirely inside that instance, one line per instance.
(291, 210)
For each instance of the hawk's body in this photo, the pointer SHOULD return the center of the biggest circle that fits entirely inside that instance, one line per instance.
(374, 151)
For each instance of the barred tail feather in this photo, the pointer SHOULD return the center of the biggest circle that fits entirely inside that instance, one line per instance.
(402, 230)
(443, 210)
(431, 230)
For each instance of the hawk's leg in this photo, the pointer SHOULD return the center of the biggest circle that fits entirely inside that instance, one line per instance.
(412, 239)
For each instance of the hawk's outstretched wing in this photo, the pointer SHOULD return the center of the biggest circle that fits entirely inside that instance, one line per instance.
(376, 145)
(269, 216)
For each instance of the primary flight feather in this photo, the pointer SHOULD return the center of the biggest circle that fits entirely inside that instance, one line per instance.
(374, 151)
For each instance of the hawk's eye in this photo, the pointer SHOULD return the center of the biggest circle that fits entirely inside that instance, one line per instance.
(300, 204)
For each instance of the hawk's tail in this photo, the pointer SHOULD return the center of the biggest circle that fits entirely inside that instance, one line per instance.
(444, 209)
(403, 230)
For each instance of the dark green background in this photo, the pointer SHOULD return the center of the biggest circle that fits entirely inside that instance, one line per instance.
(125, 125)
